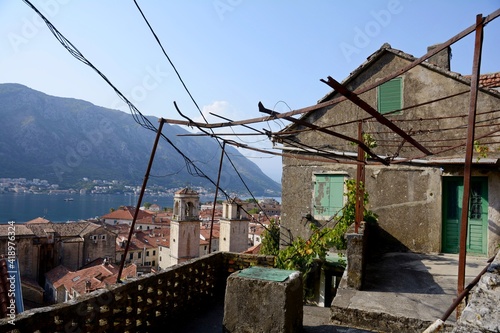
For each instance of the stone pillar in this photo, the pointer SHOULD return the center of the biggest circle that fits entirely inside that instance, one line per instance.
(355, 259)
(262, 299)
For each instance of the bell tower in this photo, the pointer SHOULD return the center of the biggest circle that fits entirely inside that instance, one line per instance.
(185, 227)
(233, 227)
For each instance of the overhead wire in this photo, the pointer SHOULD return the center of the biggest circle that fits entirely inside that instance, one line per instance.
(137, 115)
(192, 98)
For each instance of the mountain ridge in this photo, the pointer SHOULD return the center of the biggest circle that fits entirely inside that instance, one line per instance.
(64, 140)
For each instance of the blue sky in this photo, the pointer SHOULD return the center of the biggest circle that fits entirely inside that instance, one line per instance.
(230, 53)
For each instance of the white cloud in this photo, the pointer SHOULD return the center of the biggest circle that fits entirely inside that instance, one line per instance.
(222, 108)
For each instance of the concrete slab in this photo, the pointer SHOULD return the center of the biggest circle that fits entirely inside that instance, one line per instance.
(403, 292)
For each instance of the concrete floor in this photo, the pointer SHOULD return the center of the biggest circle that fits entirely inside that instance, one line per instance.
(405, 289)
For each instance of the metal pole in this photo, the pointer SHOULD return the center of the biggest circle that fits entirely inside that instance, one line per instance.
(360, 172)
(215, 198)
(468, 153)
(139, 201)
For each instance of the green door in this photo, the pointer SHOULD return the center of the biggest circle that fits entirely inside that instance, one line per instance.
(478, 214)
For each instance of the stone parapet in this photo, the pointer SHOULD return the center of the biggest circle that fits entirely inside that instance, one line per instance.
(145, 304)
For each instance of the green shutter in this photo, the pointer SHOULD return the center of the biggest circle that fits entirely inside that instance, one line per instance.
(390, 96)
(328, 195)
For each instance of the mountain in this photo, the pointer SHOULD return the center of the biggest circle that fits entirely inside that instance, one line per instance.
(64, 140)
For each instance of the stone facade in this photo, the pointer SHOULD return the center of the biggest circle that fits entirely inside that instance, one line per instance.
(25, 248)
(407, 195)
(185, 227)
(233, 228)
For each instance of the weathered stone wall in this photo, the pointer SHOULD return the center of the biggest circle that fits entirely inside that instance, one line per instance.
(481, 313)
(406, 199)
(71, 254)
(103, 246)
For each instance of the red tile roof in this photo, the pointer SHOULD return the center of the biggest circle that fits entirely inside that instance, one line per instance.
(126, 213)
(491, 80)
(89, 278)
(38, 220)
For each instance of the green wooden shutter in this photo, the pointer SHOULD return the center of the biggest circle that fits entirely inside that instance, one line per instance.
(328, 195)
(390, 96)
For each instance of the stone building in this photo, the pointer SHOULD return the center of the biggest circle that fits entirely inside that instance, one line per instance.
(233, 235)
(418, 195)
(24, 247)
(185, 227)
(69, 244)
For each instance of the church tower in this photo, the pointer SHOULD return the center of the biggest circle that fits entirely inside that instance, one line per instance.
(233, 227)
(185, 227)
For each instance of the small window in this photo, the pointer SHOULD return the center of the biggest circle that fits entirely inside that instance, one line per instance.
(390, 96)
(154, 252)
(147, 253)
(131, 256)
(139, 254)
(103, 237)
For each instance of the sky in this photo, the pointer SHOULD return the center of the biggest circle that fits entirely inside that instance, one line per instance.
(230, 54)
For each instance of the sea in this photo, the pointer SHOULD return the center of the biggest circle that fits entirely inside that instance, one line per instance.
(23, 207)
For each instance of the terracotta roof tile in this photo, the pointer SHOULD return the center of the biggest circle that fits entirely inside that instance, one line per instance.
(38, 220)
(126, 213)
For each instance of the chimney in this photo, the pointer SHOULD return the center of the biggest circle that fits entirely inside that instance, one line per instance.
(441, 59)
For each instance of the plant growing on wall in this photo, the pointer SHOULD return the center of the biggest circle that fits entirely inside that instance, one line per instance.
(305, 255)
(481, 150)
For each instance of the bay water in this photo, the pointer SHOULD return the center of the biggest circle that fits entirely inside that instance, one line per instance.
(23, 207)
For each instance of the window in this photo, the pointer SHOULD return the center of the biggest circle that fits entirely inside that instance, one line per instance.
(328, 197)
(103, 237)
(390, 95)
(147, 253)
(131, 256)
(154, 252)
(139, 255)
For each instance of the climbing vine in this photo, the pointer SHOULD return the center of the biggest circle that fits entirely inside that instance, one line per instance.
(481, 150)
(306, 254)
